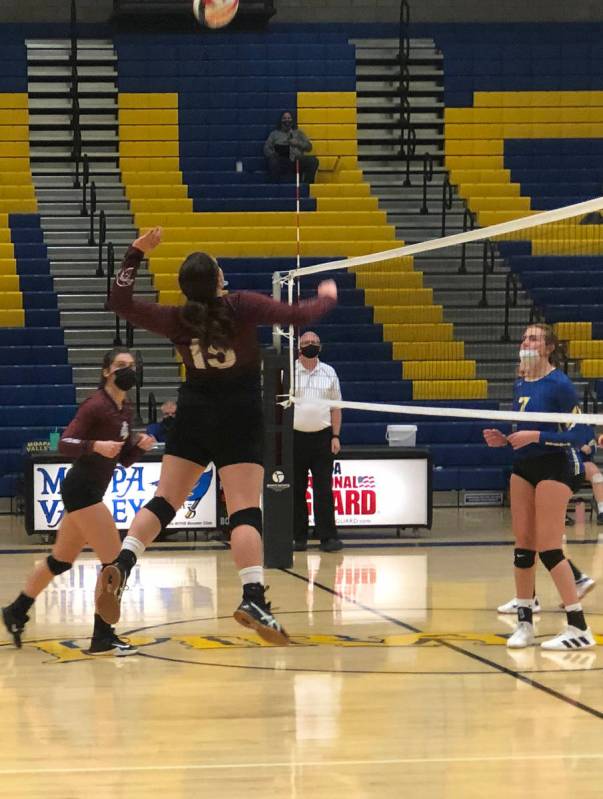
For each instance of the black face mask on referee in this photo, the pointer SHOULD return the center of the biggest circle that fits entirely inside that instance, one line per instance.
(310, 350)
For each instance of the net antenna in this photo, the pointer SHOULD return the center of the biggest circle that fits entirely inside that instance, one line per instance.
(293, 290)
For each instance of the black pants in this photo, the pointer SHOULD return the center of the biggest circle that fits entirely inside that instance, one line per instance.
(280, 168)
(312, 452)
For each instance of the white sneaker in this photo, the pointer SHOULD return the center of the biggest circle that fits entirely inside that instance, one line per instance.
(583, 587)
(522, 637)
(571, 638)
(511, 606)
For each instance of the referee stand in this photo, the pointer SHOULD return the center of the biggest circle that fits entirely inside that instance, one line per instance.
(278, 462)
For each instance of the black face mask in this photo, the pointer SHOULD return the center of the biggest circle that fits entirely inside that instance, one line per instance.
(125, 378)
(168, 422)
(310, 350)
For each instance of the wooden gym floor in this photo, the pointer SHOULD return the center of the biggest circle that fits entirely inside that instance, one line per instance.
(398, 683)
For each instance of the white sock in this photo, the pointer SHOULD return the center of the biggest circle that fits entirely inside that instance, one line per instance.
(134, 545)
(577, 606)
(252, 574)
(600, 507)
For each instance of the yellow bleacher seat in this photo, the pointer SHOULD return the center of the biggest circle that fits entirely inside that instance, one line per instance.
(449, 389)
(439, 370)
(421, 332)
(12, 318)
(409, 314)
(375, 281)
(411, 350)
(11, 300)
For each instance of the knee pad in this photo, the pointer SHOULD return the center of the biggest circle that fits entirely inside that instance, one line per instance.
(524, 558)
(162, 509)
(597, 478)
(57, 567)
(551, 558)
(250, 516)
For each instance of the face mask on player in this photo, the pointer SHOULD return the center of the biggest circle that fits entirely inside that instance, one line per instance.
(125, 378)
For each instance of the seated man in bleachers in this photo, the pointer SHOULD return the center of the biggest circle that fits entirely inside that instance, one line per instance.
(286, 145)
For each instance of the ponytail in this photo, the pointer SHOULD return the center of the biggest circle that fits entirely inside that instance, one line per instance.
(211, 322)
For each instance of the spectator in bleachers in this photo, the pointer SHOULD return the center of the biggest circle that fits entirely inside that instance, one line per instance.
(285, 146)
(159, 430)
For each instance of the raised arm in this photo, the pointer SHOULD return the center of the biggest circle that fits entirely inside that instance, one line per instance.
(262, 310)
(161, 319)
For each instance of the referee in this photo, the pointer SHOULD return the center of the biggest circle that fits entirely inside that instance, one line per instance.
(315, 443)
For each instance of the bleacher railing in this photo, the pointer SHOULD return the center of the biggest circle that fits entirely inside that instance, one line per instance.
(428, 164)
(75, 99)
(447, 201)
(408, 134)
(469, 220)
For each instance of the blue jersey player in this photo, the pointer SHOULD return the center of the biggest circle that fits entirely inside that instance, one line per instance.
(548, 468)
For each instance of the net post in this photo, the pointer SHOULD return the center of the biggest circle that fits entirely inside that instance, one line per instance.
(278, 463)
(276, 294)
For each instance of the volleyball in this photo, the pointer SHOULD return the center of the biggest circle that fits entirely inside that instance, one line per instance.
(215, 13)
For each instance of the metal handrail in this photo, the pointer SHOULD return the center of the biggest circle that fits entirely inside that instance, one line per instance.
(447, 199)
(536, 314)
(151, 408)
(102, 238)
(139, 384)
(590, 395)
(91, 239)
(75, 101)
(408, 134)
(469, 220)
(129, 335)
(110, 267)
(428, 165)
(85, 181)
(510, 302)
(488, 261)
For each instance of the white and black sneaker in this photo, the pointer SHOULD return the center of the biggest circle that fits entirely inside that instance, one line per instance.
(570, 639)
(583, 587)
(255, 613)
(14, 624)
(110, 645)
(522, 637)
(109, 588)
(510, 607)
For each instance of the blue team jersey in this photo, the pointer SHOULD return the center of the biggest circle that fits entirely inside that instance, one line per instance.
(554, 393)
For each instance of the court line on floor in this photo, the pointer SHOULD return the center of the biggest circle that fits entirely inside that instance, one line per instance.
(459, 649)
(402, 761)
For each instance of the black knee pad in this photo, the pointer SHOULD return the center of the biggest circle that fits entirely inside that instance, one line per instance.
(57, 567)
(250, 516)
(552, 558)
(524, 558)
(162, 509)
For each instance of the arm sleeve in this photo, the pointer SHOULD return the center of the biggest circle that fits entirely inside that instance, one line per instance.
(74, 441)
(574, 435)
(302, 141)
(335, 389)
(130, 453)
(161, 319)
(269, 146)
(261, 310)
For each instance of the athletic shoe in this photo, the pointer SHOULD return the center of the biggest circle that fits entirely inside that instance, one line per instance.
(14, 624)
(511, 606)
(254, 612)
(583, 587)
(111, 645)
(571, 638)
(109, 588)
(522, 637)
(331, 545)
(300, 546)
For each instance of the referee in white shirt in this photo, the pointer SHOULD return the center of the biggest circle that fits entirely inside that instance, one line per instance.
(315, 443)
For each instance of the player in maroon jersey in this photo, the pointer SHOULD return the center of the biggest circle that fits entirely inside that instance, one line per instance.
(98, 437)
(219, 415)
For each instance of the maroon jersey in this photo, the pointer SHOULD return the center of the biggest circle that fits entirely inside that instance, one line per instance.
(211, 370)
(99, 419)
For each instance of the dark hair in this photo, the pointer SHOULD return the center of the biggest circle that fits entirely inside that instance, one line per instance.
(204, 313)
(558, 355)
(108, 359)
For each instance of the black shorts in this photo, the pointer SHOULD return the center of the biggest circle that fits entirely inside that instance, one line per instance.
(549, 467)
(223, 434)
(79, 492)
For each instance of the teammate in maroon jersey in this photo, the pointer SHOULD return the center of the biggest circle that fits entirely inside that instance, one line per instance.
(99, 437)
(219, 415)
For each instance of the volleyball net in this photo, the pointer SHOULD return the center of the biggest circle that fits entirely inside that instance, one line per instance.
(432, 329)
